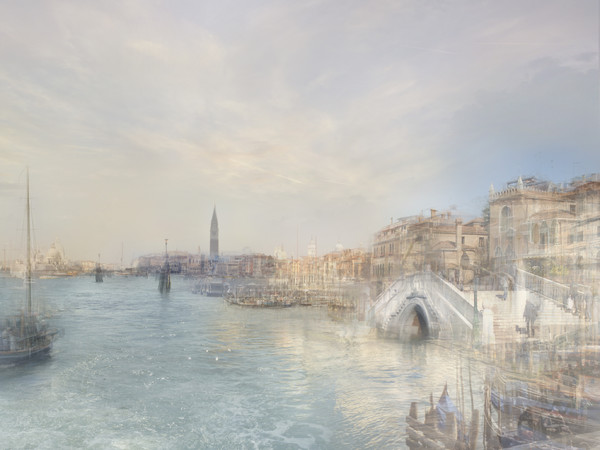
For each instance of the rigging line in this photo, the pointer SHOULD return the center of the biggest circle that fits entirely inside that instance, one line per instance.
(462, 399)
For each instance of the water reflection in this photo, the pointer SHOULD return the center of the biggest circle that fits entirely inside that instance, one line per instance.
(193, 371)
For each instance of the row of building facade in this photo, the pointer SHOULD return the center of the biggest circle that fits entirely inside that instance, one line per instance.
(547, 229)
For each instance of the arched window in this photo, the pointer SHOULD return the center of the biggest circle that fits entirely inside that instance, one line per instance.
(544, 235)
(505, 219)
(465, 262)
(535, 233)
(554, 233)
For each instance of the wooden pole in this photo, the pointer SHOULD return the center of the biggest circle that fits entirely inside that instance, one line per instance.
(462, 401)
(474, 430)
(450, 429)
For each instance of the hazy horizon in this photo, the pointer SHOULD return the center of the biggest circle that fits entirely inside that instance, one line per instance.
(297, 120)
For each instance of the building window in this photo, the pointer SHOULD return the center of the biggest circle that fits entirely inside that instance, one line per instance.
(505, 219)
(462, 240)
(544, 235)
(465, 262)
(481, 242)
(554, 233)
(535, 233)
(572, 208)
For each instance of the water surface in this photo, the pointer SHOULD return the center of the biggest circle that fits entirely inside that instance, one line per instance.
(135, 369)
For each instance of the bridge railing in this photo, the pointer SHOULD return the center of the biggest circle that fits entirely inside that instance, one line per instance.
(556, 292)
(388, 301)
(453, 295)
(384, 301)
(551, 289)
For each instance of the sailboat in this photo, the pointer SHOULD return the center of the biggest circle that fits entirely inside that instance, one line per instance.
(25, 336)
(164, 281)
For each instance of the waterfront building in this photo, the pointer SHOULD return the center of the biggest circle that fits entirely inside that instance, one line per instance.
(178, 261)
(326, 271)
(51, 263)
(214, 236)
(280, 253)
(345, 265)
(391, 247)
(547, 229)
(253, 265)
(440, 242)
(448, 247)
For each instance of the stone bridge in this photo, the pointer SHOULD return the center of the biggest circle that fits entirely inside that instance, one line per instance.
(423, 305)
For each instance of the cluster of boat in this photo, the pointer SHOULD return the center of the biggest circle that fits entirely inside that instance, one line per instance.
(276, 302)
(553, 406)
(550, 408)
(267, 296)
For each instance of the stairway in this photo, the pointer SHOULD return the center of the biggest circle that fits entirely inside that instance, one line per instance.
(508, 315)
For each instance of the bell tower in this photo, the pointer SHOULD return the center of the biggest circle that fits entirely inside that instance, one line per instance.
(214, 235)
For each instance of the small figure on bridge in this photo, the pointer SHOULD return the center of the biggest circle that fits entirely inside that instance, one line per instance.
(504, 284)
(570, 303)
(530, 314)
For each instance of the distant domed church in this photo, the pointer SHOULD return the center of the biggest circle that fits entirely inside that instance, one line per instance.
(214, 236)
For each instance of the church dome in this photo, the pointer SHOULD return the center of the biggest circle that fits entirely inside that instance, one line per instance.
(55, 253)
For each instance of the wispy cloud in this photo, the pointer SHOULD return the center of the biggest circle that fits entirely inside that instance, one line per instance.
(321, 113)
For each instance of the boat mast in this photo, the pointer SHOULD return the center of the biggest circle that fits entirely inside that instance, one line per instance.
(28, 273)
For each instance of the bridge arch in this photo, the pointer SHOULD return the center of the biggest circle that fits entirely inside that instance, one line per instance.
(422, 306)
(413, 320)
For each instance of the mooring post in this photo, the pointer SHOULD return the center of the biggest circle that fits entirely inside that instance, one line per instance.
(474, 430)
(450, 428)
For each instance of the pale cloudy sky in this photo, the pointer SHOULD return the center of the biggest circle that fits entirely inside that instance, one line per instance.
(297, 119)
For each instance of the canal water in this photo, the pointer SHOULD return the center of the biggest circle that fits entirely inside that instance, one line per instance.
(134, 369)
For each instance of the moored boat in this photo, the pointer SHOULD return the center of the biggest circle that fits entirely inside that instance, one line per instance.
(550, 407)
(164, 280)
(25, 336)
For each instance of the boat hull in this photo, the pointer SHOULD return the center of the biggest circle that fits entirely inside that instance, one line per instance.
(16, 356)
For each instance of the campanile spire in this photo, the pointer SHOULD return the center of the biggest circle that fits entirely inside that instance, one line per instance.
(214, 235)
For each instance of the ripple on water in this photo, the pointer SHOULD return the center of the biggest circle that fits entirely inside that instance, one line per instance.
(136, 370)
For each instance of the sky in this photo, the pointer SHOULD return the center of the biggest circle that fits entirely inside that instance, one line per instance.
(296, 120)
